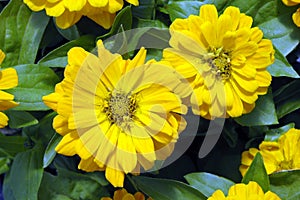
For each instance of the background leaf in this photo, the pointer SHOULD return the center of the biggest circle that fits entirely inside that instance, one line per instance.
(25, 176)
(164, 189)
(58, 57)
(257, 173)
(264, 113)
(70, 185)
(21, 33)
(286, 184)
(20, 119)
(208, 183)
(35, 81)
(287, 98)
(274, 134)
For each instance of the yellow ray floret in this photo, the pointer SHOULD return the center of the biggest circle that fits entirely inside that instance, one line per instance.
(117, 114)
(224, 58)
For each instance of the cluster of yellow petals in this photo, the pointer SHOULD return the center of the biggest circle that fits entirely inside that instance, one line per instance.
(296, 15)
(122, 194)
(68, 12)
(8, 80)
(117, 114)
(281, 155)
(224, 58)
(242, 191)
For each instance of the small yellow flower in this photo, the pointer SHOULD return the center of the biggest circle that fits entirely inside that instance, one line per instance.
(68, 12)
(122, 194)
(296, 15)
(277, 156)
(224, 59)
(242, 191)
(8, 80)
(116, 114)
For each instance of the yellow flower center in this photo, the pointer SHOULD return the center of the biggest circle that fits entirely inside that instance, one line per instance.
(120, 108)
(285, 165)
(219, 60)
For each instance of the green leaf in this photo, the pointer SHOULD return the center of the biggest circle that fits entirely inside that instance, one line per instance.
(281, 67)
(286, 184)
(123, 19)
(183, 9)
(12, 144)
(141, 23)
(71, 33)
(58, 57)
(257, 173)
(4, 162)
(21, 33)
(70, 185)
(145, 10)
(287, 98)
(25, 176)
(20, 119)
(50, 150)
(35, 81)
(274, 134)
(164, 189)
(264, 113)
(208, 183)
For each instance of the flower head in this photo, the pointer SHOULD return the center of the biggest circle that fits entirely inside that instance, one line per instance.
(224, 58)
(296, 15)
(122, 194)
(8, 80)
(277, 156)
(116, 114)
(242, 191)
(68, 12)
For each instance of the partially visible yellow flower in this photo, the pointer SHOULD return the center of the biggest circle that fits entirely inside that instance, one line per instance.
(117, 115)
(224, 58)
(242, 191)
(8, 80)
(68, 12)
(277, 156)
(122, 194)
(296, 15)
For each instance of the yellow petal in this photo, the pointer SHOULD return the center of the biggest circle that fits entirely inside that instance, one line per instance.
(126, 153)
(234, 14)
(55, 9)
(217, 195)
(36, 5)
(133, 2)
(296, 17)
(8, 78)
(88, 165)
(104, 19)
(51, 100)
(209, 12)
(67, 19)
(3, 120)
(4, 96)
(2, 56)
(74, 5)
(67, 145)
(115, 5)
(96, 3)
(245, 21)
(115, 177)
(4, 105)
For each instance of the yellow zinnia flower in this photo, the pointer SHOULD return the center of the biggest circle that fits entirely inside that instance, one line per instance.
(117, 115)
(277, 156)
(122, 194)
(8, 80)
(68, 12)
(296, 15)
(242, 191)
(224, 59)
